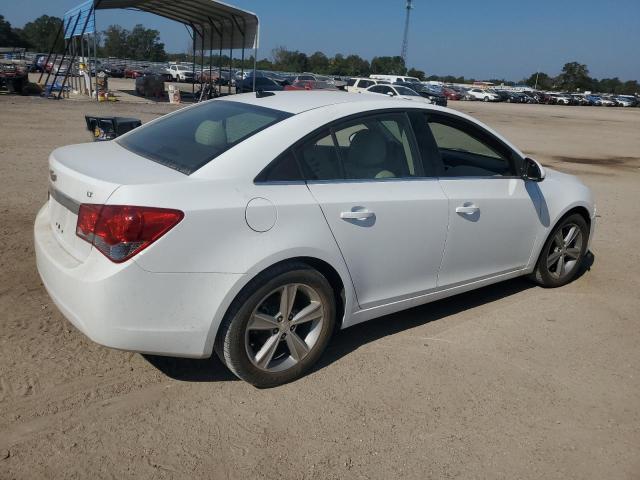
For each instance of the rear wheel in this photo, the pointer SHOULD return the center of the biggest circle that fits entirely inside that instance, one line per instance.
(278, 326)
(563, 253)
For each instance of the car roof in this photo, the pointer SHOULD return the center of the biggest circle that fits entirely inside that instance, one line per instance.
(300, 101)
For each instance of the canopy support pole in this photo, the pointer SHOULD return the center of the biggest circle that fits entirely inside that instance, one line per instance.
(230, 59)
(53, 46)
(95, 55)
(64, 54)
(255, 55)
(193, 82)
(84, 28)
(201, 58)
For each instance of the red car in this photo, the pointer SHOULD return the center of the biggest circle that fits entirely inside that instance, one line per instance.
(310, 85)
(451, 94)
(133, 72)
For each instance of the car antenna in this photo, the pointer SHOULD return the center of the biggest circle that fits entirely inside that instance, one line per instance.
(263, 93)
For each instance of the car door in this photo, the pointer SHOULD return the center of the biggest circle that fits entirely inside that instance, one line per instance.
(389, 220)
(493, 212)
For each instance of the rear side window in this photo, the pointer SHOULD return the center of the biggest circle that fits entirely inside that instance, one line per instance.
(193, 137)
(282, 169)
(372, 148)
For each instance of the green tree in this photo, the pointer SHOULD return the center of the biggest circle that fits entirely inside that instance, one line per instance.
(10, 37)
(41, 33)
(354, 65)
(144, 44)
(115, 42)
(388, 65)
(319, 63)
(574, 77)
(419, 74)
(289, 61)
(540, 80)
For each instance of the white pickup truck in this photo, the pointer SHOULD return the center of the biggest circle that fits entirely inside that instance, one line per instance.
(181, 73)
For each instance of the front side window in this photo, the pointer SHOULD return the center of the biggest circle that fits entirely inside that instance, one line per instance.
(467, 151)
(372, 148)
(191, 138)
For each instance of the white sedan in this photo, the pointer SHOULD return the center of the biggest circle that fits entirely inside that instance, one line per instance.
(398, 91)
(256, 225)
(483, 95)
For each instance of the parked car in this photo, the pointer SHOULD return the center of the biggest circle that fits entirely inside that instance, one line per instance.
(451, 94)
(237, 226)
(429, 92)
(503, 95)
(579, 99)
(181, 73)
(395, 78)
(150, 84)
(159, 72)
(625, 101)
(310, 85)
(562, 99)
(358, 85)
(112, 70)
(608, 101)
(262, 83)
(291, 79)
(594, 100)
(133, 72)
(398, 91)
(483, 95)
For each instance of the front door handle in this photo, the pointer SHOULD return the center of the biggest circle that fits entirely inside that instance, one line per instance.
(357, 215)
(467, 209)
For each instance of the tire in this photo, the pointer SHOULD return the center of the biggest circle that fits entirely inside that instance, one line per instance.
(556, 254)
(254, 323)
(485, 99)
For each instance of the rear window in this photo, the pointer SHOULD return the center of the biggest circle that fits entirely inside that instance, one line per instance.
(193, 137)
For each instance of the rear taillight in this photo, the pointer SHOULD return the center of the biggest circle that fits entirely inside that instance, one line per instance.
(122, 231)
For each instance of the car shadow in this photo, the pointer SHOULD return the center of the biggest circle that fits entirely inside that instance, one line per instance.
(349, 340)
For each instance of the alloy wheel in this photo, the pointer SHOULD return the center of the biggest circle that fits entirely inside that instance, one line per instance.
(565, 251)
(284, 327)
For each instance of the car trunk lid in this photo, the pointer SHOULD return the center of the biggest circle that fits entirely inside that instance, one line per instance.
(90, 173)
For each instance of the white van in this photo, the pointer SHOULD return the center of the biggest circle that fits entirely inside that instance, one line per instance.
(394, 78)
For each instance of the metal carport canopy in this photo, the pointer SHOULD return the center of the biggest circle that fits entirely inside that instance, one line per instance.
(220, 25)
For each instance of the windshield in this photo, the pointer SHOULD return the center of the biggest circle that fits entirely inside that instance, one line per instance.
(406, 91)
(191, 138)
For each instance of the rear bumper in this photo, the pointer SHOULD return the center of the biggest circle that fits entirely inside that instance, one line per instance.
(125, 307)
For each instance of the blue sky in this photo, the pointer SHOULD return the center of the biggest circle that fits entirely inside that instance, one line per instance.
(475, 38)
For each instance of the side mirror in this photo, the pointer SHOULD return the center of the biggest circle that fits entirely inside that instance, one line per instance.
(391, 94)
(533, 170)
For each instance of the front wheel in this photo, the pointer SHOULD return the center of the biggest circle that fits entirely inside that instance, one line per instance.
(278, 326)
(563, 253)
(486, 99)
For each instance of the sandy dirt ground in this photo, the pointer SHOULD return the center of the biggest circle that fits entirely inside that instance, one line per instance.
(511, 381)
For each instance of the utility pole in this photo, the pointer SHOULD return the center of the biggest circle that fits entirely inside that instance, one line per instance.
(405, 40)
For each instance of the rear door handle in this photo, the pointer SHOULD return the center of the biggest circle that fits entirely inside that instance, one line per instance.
(467, 209)
(357, 215)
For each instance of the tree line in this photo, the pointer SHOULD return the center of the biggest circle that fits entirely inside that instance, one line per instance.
(574, 77)
(142, 43)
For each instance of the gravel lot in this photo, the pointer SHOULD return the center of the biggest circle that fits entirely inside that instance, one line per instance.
(511, 381)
